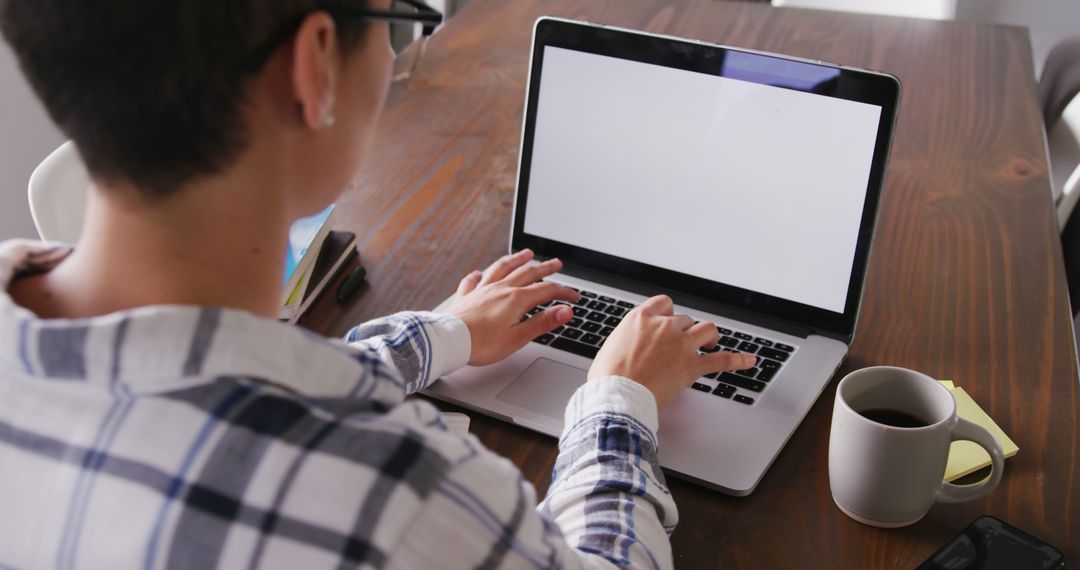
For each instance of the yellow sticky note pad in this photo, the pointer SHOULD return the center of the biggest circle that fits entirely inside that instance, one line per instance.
(966, 457)
(947, 383)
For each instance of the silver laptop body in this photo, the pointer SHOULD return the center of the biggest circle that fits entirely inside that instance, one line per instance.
(744, 185)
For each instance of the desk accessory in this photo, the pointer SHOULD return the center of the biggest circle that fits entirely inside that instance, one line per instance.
(456, 422)
(306, 237)
(334, 254)
(967, 457)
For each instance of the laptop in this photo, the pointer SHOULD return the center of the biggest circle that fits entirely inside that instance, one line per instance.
(743, 184)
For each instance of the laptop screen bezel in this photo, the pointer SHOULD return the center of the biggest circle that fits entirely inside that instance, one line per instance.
(852, 84)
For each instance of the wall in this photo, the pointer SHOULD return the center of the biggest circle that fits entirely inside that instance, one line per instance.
(26, 137)
(1049, 21)
(1039, 15)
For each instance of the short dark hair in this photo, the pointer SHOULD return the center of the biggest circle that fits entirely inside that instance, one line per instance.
(151, 91)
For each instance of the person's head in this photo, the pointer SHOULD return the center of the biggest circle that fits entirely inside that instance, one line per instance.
(158, 95)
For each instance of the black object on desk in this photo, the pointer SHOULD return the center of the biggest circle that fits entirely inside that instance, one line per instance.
(352, 283)
(989, 544)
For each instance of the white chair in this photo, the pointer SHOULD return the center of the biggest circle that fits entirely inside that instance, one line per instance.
(933, 9)
(1063, 142)
(57, 195)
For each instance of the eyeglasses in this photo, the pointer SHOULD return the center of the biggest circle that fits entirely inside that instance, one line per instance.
(408, 12)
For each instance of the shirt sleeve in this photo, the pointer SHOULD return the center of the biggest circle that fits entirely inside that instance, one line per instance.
(608, 505)
(416, 347)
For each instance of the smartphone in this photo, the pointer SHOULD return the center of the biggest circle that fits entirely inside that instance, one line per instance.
(990, 544)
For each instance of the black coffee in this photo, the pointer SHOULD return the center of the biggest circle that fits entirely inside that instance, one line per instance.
(894, 418)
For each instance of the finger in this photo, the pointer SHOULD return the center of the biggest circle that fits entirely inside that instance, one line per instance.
(540, 293)
(704, 334)
(660, 305)
(682, 321)
(469, 282)
(726, 361)
(532, 272)
(545, 321)
(507, 263)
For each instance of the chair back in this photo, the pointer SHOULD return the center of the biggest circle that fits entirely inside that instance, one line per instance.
(57, 195)
(932, 9)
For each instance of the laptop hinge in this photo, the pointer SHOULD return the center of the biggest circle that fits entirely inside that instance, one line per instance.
(690, 300)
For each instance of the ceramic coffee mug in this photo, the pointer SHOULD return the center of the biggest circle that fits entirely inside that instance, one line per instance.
(888, 471)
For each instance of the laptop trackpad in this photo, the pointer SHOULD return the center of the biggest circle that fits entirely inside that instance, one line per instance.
(544, 387)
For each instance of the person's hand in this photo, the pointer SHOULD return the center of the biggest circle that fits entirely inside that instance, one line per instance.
(492, 303)
(659, 350)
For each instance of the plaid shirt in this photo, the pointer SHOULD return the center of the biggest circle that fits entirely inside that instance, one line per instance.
(197, 437)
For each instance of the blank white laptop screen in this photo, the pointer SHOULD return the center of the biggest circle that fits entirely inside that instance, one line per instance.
(750, 185)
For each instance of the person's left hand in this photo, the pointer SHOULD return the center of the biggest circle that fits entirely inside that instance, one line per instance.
(492, 303)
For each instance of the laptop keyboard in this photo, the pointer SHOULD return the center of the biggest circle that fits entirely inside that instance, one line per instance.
(596, 316)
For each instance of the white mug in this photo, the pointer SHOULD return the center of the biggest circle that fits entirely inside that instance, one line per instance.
(889, 476)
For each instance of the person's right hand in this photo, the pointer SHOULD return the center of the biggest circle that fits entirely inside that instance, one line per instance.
(659, 350)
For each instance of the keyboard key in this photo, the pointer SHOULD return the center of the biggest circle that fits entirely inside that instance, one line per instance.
(722, 330)
(743, 336)
(784, 347)
(607, 299)
(580, 312)
(574, 322)
(748, 347)
(612, 321)
(724, 390)
(728, 341)
(763, 341)
(596, 305)
(535, 310)
(558, 330)
(625, 304)
(572, 333)
(773, 354)
(713, 375)
(710, 350)
(746, 383)
(615, 311)
(591, 338)
(588, 294)
(701, 387)
(749, 372)
(591, 327)
(582, 301)
(596, 317)
(767, 364)
(575, 347)
(544, 338)
(766, 374)
(606, 331)
(743, 400)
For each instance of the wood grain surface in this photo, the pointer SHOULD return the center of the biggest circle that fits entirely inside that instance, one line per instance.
(966, 279)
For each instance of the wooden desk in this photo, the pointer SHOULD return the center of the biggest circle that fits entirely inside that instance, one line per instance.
(966, 281)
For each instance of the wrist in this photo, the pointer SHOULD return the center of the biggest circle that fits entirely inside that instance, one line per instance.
(616, 395)
(451, 344)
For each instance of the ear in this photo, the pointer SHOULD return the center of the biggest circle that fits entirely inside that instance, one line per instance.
(315, 61)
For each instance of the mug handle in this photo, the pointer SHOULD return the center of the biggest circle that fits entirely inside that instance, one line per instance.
(968, 431)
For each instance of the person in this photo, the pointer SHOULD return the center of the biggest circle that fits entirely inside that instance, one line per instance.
(153, 413)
